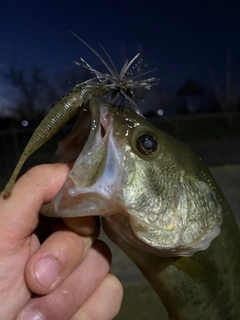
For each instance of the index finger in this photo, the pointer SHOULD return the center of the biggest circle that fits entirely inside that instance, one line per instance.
(37, 186)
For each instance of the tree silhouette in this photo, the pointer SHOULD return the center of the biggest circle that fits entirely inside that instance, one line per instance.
(31, 92)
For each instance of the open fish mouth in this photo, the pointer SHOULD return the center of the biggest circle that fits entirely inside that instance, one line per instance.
(99, 171)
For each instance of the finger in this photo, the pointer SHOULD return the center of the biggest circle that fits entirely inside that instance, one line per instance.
(64, 301)
(83, 225)
(58, 256)
(104, 303)
(37, 186)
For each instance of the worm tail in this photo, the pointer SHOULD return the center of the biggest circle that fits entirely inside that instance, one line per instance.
(63, 111)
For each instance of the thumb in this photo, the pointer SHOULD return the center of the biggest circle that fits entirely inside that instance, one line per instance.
(19, 212)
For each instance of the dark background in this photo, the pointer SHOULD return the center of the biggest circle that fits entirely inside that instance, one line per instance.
(183, 39)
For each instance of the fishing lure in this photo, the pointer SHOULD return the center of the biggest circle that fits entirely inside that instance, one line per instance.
(100, 86)
(120, 83)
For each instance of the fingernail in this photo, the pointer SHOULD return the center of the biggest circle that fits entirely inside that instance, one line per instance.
(47, 271)
(30, 315)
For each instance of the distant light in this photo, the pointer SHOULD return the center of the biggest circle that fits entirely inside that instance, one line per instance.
(160, 112)
(24, 123)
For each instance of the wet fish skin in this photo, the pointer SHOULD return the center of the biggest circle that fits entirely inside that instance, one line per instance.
(204, 285)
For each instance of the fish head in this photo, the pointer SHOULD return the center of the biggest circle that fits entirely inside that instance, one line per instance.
(152, 191)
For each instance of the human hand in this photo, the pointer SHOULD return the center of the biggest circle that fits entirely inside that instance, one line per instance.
(65, 277)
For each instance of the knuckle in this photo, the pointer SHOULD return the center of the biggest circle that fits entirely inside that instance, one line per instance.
(67, 247)
(37, 175)
(74, 242)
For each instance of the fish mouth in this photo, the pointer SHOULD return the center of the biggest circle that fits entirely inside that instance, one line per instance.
(99, 171)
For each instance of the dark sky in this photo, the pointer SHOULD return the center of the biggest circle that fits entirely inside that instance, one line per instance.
(183, 39)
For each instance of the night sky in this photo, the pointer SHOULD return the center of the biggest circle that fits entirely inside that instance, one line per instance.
(183, 39)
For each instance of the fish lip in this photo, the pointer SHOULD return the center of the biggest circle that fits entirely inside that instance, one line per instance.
(101, 121)
(89, 190)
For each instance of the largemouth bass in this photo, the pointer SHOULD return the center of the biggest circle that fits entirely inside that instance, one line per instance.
(160, 205)
(159, 202)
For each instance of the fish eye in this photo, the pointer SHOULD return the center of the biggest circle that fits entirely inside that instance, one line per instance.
(147, 144)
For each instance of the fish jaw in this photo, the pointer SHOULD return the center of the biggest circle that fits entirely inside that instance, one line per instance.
(93, 186)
